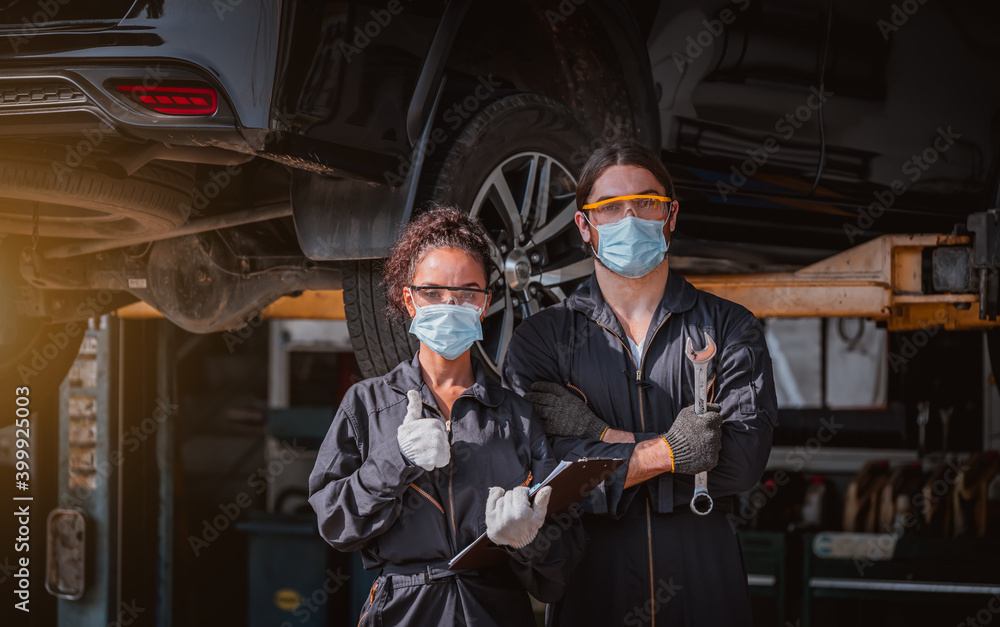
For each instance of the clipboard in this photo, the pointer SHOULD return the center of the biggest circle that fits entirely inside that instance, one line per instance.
(571, 481)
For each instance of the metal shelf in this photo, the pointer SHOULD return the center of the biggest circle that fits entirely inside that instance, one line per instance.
(904, 586)
(848, 460)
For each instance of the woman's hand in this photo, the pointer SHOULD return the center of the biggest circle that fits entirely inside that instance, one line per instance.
(563, 413)
(423, 441)
(511, 519)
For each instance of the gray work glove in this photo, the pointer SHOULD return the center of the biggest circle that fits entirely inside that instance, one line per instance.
(511, 519)
(564, 413)
(696, 440)
(423, 441)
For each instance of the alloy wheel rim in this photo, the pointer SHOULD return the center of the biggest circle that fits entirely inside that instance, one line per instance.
(527, 204)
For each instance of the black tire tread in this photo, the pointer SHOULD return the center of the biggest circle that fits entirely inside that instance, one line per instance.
(364, 309)
(156, 197)
(451, 167)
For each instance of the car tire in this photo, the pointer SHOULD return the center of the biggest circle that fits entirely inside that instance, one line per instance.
(81, 202)
(379, 342)
(536, 263)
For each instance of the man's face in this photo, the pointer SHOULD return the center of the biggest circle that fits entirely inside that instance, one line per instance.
(623, 180)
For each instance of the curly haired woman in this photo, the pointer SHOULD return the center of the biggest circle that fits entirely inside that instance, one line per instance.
(420, 462)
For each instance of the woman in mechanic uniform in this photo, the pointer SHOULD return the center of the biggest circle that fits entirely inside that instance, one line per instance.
(420, 462)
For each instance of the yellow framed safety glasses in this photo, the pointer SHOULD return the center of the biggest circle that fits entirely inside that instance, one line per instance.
(644, 206)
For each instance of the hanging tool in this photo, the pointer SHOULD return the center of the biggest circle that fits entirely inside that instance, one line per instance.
(923, 417)
(945, 414)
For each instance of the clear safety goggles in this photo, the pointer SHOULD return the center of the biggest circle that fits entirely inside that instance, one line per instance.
(471, 297)
(644, 206)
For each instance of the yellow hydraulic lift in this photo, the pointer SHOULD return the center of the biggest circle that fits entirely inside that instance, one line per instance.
(909, 281)
(310, 304)
(883, 279)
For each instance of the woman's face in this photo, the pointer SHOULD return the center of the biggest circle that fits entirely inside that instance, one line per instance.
(447, 266)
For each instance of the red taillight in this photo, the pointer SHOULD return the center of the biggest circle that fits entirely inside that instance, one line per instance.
(173, 100)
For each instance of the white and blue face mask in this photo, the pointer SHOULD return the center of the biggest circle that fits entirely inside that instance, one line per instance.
(448, 330)
(631, 247)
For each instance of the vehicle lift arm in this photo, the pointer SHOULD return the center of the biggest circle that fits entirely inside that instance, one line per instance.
(909, 281)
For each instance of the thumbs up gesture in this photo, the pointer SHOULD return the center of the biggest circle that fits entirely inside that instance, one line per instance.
(423, 441)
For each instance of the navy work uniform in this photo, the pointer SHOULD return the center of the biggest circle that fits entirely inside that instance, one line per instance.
(410, 522)
(649, 559)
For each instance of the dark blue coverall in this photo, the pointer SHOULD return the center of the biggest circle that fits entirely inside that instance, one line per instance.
(410, 522)
(650, 560)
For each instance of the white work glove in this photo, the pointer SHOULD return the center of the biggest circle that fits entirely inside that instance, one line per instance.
(511, 519)
(423, 441)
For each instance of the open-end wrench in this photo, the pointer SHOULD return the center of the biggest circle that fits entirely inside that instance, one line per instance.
(701, 501)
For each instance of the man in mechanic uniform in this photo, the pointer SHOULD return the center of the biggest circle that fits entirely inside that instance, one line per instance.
(607, 373)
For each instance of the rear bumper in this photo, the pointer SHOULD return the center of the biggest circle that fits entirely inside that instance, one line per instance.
(48, 101)
(56, 81)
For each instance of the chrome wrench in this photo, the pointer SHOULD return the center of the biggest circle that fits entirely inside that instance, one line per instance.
(701, 501)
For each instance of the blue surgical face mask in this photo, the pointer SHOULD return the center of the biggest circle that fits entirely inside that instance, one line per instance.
(631, 247)
(448, 330)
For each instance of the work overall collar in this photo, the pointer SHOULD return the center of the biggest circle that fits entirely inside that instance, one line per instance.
(406, 376)
(678, 296)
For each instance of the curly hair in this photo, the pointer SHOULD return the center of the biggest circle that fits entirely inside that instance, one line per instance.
(441, 226)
